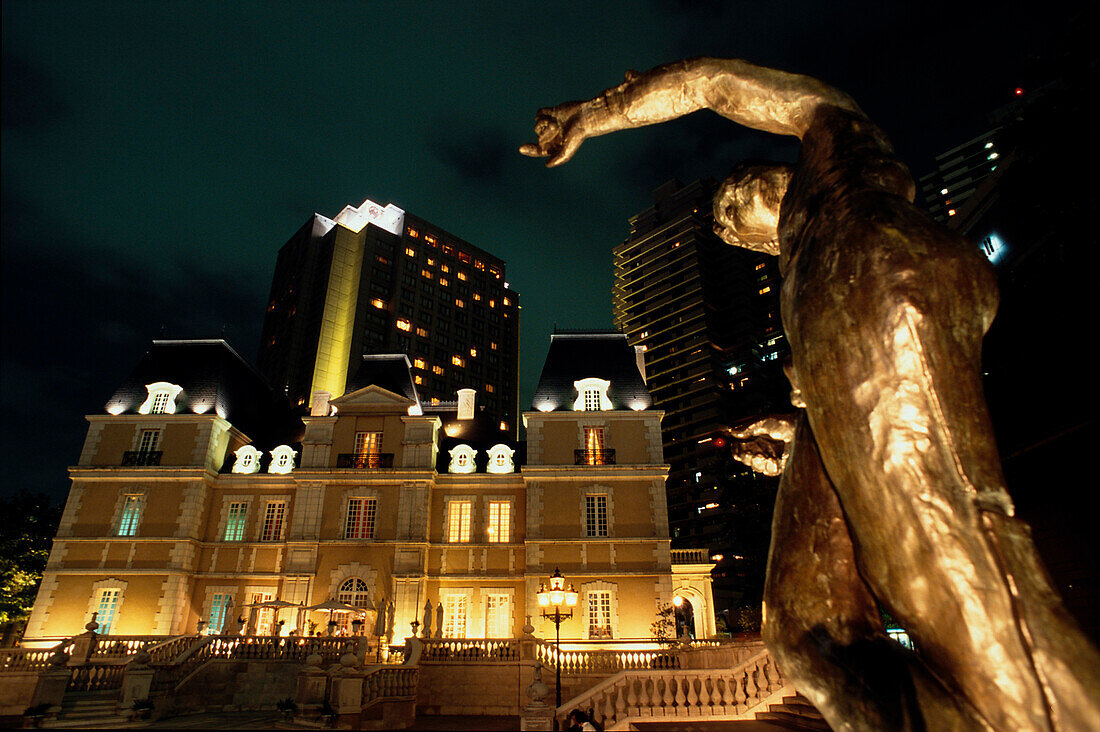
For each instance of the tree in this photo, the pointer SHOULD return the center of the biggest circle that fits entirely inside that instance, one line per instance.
(26, 533)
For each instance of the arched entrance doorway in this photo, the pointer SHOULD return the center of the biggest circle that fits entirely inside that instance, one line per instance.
(685, 616)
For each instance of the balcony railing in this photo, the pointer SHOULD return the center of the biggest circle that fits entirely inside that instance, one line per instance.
(593, 457)
(141, 457)
(691, 556)
(368, 461)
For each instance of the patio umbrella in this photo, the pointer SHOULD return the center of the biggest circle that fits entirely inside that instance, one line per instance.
(331, 606)
(380, 621)
(439, 621)
(427, 618)
(277, 606)
(389, 621)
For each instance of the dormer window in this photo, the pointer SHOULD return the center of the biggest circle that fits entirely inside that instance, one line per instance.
(248, 460)
(462, 459)
(161, 399)
(500, 459)
(591, 395)
(282, 459)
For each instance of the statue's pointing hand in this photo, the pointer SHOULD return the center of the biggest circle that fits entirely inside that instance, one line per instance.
(560, 133)
(763, 445)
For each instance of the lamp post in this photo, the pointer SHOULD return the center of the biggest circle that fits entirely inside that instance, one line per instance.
(555, 598)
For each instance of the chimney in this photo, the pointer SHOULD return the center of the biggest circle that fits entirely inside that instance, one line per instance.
(639, 356)
(319, 404)
(466, 403)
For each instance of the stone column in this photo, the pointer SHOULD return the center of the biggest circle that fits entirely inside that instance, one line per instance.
(137, 680)
(537, 715)
(312, 685)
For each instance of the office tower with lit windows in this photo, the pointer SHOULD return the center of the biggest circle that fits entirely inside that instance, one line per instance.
(958, 173)
(706, 315)
(376, 279)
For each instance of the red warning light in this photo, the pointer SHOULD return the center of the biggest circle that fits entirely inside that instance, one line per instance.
(1019, 91)
(719, 442)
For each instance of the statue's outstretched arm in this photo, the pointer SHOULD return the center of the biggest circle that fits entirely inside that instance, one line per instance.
(754, 96)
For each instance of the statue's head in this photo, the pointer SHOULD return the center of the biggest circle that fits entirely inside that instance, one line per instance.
(746, 207)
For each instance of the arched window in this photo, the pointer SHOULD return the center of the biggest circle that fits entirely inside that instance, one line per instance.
(353, 592)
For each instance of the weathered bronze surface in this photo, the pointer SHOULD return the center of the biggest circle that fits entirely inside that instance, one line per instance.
(892, 492)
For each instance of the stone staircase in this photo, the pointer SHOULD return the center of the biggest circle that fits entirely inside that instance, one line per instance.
(258, 686)
(794, 712)
(89, 710)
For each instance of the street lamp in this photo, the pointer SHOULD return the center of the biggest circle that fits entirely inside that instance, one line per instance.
(554, 598)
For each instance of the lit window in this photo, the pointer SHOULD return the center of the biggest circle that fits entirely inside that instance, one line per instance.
(444, 281)
(444, 268)
(422, 332)
(765, 290)
(404, 325)
(106, 608)
(591, 395)
(464, 257)
(462, 459)
(418, 379)
(503, 426)
(507, 301)
(494, 271)
(760, 266)
(477, 297)
(458, 361)
(368, 443)
(595, 514)
(500, 459)
(273, 521)
(235, 521)
(950, 212)
(498, 616)
(282, 460)
(500, 521)
(988, 145)
(478, 264)
(419, 363)
(356, 593)
(594, 452)
(412, 232)
(430, 262)
(438, 371)
(473, 352)
(599, 614)
(359, 522)
(490, 388)
(492, 303)
(410, 251)
(161, 399)
(461, 275)
(943, 191)
(992, 156)
(219, 605)
(131, 515)
(430, 239)
(427, 274)
(148, 440)
(459, 302)
(493, 345)
(380, 304)
(454, 616)
(458, 523)
(248, 460)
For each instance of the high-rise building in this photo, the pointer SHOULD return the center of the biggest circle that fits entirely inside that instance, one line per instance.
(378, 279)
(705, 314)
(958, 173)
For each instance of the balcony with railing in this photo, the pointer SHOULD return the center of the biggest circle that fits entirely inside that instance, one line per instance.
(593, 457)
(141, 458)
(365, 461)
(691, 556)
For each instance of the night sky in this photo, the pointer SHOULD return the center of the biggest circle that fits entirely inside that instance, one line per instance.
(156, 155)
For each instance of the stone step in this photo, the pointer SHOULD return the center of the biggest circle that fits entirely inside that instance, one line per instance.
(794, 721)
(110, 722)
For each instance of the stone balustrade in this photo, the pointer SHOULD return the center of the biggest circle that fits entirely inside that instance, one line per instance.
(487, 650)
(603, 661)
(691, 556)
(97, 677)
(390, 682)
(674, 694)
(13, 660)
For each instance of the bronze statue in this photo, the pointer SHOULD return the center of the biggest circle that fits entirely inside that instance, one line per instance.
(892, 494)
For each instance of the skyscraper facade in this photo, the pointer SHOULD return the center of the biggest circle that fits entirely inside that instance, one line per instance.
(705, 314)
(378, 279)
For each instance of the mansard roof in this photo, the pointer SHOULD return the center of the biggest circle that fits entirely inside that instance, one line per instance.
(481, 433)
(583, 355)
(389, 371)
(215, 380)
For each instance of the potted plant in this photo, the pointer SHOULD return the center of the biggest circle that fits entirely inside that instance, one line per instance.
(287, 707)
(35, 713)
(142, 708)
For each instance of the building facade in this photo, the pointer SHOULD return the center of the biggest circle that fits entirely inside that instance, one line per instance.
(379, 280)
(706, 316)
(198, 495)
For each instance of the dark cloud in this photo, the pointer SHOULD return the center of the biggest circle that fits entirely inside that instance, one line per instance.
(30, 98)
(477, 153)
(76, 318)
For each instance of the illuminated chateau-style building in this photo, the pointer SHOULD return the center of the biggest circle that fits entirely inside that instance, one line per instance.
(199, 493)
(376, 279)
